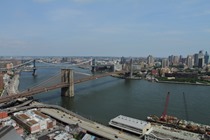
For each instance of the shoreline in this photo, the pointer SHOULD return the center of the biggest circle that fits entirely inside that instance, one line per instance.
(14, 85)
(186, 83)
(130, 78)
(167, 82)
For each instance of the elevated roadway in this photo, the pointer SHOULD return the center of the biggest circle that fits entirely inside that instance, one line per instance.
(69, 117)
(34, 91)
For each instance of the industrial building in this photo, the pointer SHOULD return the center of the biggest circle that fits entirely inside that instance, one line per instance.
(130, 124)
(167, 133)
(34, 121)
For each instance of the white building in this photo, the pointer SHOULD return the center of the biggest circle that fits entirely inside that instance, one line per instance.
(150, 60)
(130, 124)
(190, 61)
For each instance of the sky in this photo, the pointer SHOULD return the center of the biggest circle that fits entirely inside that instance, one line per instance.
(104, 27)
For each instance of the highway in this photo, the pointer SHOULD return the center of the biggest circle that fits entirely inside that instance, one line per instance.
(69, 117)
(92, 127)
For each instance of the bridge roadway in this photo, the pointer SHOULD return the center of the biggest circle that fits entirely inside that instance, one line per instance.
(69, 117)
(34, 91)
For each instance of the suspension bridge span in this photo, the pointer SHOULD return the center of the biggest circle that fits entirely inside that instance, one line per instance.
(66, 85)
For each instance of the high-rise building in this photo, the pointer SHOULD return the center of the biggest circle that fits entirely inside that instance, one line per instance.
(190, 61)
(200, 59)
(175, 60)
(170, 58)
(150, 60)
(123, 60)
(206, 58)
(165, 63)
(196, 59)
(180, 59)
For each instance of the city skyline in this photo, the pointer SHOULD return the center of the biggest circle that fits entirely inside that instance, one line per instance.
(104, 28)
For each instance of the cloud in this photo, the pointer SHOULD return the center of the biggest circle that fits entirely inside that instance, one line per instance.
(64, 13)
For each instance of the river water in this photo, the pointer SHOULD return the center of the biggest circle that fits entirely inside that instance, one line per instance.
(103, 99)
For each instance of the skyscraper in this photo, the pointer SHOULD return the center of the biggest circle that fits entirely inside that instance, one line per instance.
(190, 61)
(123, 60)
(200, 59)
(206, 58)
(196, 59)
(165, 63)
(150, 60)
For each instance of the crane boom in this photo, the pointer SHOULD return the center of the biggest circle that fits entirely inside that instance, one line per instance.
(163, 117)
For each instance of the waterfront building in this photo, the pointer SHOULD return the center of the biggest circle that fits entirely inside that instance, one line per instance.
(150, 60)
(34, 121)
(130, 124)
(190, 61)
(168, 133)
(136, 67)
(165, 63)
(206, 58)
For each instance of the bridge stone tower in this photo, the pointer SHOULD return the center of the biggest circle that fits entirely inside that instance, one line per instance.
(34, 68)
(93, 65)
(67, 76)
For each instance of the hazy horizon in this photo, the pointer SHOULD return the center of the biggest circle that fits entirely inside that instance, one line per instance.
(130, 28)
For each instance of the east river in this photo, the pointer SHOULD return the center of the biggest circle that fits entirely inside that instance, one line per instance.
(105, 98)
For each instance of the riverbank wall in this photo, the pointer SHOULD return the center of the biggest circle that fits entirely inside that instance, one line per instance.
(186, 83)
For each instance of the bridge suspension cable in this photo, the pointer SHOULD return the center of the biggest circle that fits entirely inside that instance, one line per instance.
(44, 82)
(22, 64)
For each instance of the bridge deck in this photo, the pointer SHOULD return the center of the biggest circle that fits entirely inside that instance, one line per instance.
(34, 91)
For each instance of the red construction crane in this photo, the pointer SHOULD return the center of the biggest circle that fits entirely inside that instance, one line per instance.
(164, 115)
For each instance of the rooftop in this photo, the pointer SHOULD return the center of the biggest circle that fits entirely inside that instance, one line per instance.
(31, 122)
(139, 124)
(23, 116)
(40, 114)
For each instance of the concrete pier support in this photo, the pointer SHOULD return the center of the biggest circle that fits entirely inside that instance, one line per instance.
(67, 76)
